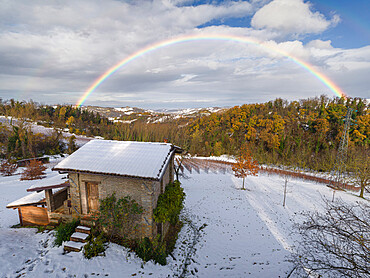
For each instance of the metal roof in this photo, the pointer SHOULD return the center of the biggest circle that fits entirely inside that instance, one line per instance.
(35, 198)
(57, 181)
(123, 158)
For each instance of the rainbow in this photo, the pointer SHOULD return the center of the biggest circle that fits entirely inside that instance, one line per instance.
(325, 80)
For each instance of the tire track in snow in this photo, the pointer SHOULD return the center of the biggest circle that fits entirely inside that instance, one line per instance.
(268, 210)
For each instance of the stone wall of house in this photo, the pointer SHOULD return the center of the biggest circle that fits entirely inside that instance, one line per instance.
(74, 190)
(144, 191)
(165, 179)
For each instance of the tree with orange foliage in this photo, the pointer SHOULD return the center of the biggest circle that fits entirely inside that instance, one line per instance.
(34, 170)
(245, 164)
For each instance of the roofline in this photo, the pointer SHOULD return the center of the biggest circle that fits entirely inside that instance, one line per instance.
(33, 158)
(166, 164)
(41, 202)
(177, 149)
(66, 170)
(65, 184)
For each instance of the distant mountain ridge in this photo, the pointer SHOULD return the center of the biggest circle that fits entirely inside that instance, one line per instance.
(129, 114)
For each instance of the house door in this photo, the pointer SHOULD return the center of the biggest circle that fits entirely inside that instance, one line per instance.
(92, 196)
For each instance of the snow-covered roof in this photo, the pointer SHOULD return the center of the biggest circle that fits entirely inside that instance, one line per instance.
(30, 199)
(124, 158)
(54, 182)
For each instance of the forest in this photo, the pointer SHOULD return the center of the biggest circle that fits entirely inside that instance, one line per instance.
(305, 133)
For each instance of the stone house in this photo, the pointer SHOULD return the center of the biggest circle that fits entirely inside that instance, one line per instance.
(100, 168)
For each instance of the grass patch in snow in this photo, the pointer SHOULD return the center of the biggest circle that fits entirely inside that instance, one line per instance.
(64, 231)
(95, 247)
(40, 229)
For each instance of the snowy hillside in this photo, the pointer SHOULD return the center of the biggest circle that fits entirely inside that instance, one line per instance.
(227, 233)
(129, 114)
(80, 139)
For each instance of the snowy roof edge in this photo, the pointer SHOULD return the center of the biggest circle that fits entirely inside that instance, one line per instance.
(100, 173)
(34, 198)
(40, 188)
(16, 205)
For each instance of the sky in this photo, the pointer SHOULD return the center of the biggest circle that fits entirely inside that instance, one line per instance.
(53, 51)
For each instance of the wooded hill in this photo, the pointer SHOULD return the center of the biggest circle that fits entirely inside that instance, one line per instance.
(304, 133)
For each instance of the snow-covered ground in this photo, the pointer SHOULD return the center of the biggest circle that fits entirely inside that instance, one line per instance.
(228, 232)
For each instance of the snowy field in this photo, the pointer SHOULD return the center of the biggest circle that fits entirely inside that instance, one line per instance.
(228, 232)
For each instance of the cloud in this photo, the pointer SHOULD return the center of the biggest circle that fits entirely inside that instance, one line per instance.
(291, 17)
(53, 51)
(320, 44)
(82, 33)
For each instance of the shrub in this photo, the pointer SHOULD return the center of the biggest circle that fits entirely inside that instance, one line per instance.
(7, 168)
(64, 231)
(152, 250)
(95, 247)
(34, 170)
(170, 204)
(118, 217)
(171, 236)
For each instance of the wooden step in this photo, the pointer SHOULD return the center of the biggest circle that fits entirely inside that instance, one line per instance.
(79, 237)
(72, 246)
(83, 229)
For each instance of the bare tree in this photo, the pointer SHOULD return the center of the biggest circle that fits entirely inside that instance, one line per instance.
(335, 243)
(359, 169)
